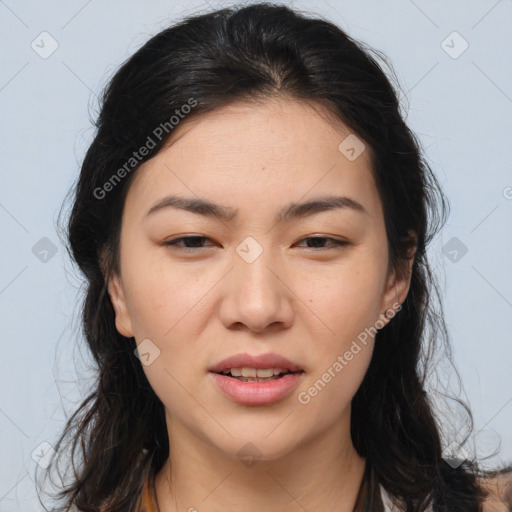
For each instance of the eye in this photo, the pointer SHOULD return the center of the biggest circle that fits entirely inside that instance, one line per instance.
(192, 240)
(318, 242)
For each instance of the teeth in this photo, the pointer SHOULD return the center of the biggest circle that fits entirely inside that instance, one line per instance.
(253, 372)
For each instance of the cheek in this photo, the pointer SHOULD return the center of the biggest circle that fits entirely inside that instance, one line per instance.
(343, 304)
(164, 307)
(162, 298)
(347, 303)
(164, 304)
(328, 393)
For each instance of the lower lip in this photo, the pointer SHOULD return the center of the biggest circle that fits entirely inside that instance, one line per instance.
(257, 393)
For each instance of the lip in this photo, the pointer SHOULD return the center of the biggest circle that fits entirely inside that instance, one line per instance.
(257, 393)
(259, 362)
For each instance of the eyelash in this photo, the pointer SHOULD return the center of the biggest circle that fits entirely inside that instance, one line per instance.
(173, 243)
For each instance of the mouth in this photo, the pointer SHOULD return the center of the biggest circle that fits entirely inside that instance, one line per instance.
(252, 366)
(256, 375)
(256, 391)
(256, 379)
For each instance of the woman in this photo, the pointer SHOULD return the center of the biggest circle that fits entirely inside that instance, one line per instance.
(252, 220)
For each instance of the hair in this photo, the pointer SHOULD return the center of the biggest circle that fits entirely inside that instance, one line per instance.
(251, 54)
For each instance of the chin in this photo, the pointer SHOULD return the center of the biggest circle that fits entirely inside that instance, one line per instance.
(256, 445)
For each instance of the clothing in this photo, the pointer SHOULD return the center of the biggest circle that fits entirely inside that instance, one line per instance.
(147, 499)
(389, 506)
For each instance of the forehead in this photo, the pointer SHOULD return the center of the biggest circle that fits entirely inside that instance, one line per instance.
(268, 152)
(275, 129)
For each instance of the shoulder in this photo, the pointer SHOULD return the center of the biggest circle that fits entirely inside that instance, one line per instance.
(499, 489)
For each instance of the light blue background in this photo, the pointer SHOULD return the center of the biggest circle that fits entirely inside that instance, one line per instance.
(460, 107)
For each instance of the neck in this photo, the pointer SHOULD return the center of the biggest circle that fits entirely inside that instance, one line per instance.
(322, 474)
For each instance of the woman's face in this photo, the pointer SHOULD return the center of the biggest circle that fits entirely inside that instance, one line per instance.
(256, 284)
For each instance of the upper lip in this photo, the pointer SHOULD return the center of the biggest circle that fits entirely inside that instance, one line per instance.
(258, 362)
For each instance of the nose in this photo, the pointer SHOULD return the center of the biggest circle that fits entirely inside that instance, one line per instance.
(257, 296)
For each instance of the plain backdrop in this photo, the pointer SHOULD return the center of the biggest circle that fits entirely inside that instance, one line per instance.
(453, 60)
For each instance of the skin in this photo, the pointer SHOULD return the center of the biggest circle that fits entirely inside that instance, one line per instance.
(499, 488)
(308, 304)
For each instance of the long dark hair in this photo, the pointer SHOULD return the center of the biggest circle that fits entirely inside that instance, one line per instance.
(197, 65)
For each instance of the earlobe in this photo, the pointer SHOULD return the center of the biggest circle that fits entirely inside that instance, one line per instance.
(123, 320)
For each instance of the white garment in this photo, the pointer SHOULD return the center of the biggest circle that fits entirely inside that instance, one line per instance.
(389, 506)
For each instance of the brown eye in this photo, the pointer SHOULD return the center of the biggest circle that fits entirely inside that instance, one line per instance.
(193, 243)
(319, 240)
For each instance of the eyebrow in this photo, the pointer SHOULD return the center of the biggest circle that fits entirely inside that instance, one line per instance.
(226, 213)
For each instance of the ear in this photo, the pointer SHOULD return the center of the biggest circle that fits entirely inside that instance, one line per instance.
(396, 289)
(123, 320)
